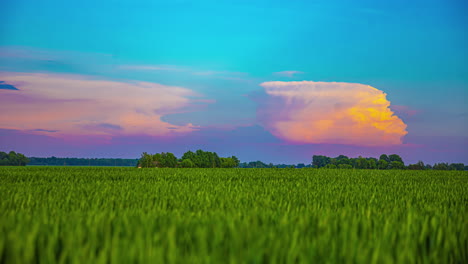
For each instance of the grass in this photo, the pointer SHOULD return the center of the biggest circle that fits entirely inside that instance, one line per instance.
(127, 215)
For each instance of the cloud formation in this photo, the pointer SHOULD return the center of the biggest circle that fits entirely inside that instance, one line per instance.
(329, 112)
(289, 74)
(78, 105)
(7, 86)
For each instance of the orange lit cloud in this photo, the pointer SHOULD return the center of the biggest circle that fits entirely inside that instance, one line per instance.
(329, 112)
(60, 104)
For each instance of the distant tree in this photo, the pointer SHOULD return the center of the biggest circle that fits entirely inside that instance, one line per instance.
(3, 159)
(13, 159)
(395, 157)
(441, 166)
(257, 164)
(428, 167)
(382, 164)
(300, 165)
(457, 166)
(330, 166)
(236, 160)
(188, 155)
(319, 161)
(384, 157)
(371, 163)
(23, 160)
(361, 163)
(167, 160)
(228, 163)
(396, 165)
(344, 166)
(204, 159)
(187, 163)
(342, 159)
(418, 166)
(146, 161)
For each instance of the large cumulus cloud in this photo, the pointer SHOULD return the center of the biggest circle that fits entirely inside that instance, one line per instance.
(329, 112)
(81, 106)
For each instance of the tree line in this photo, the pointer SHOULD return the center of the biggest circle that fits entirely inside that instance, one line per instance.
(13, 159)
(206, 159)
(197, 159)
(385, 162)
(54, 161)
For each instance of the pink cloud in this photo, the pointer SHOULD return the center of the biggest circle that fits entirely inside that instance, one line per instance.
(76, 105)
(330, 112)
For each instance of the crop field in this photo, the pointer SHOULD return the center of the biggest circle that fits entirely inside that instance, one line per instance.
(128, 215)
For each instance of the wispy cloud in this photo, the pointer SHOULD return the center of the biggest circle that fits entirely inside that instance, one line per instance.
(226, 75)
(80, 105)
(28, 59)
(329, 112)
(44, 130)
(170, 68)
(289, 74)
(7, 86)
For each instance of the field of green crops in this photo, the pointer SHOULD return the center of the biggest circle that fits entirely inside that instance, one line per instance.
(128, 215)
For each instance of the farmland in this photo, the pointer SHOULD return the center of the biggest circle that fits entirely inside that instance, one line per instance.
(125, 215)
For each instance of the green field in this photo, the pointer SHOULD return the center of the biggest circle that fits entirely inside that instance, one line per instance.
(128, 215)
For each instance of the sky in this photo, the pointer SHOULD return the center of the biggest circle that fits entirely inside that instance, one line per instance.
(276, 81)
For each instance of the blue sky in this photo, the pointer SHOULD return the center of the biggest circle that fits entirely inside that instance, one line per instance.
(415, 52)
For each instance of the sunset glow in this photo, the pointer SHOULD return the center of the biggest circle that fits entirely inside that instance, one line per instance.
(64, 105)
(321, 112)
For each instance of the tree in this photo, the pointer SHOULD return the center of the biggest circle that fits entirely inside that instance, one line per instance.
(228, 163)
(342, 159)
(319, 161)
(418, 166)
(300, 165)
(396, 165)
(146, 161)
(441, 166)
(344, 166)
(167, 160)
(13, 159)
(203, 159)
(395, 157)
(384, 157)
(236, 160)
(189, 155)
(187, 163)
(457, 166)
(361, 163)
(372, 164)
(382, 164)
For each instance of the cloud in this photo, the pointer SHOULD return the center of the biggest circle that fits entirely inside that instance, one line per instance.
(78, 105)
(170, 68)
(7, 86)
(44, 130)
(225, 75)
(289, 74)
(329, 112)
